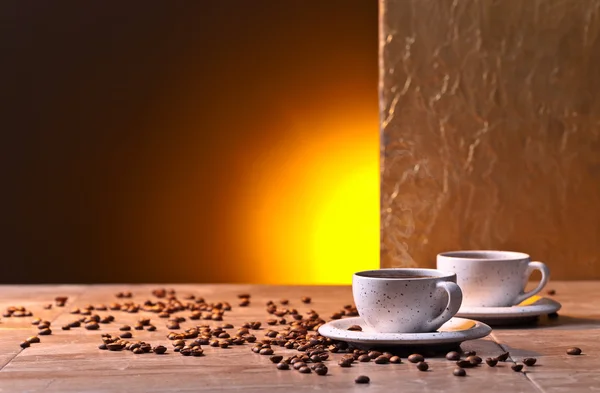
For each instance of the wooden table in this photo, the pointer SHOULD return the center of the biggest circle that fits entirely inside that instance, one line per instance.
(70, 361)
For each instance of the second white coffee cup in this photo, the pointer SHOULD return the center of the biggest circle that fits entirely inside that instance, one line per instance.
(492, 278)
(406, 300)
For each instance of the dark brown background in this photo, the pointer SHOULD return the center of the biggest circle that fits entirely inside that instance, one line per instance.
(128, 126)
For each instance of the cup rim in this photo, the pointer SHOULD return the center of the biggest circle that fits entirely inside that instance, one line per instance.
(430, 273)
(501, 255)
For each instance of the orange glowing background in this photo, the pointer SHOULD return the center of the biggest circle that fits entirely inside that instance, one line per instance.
(208, 141)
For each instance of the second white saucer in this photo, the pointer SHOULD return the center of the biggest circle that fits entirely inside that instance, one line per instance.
(527, 310)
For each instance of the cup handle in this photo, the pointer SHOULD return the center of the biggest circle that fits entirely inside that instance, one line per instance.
(545, 277)
(454, 301)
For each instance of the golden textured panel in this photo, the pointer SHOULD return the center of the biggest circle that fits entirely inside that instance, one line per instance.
(490, 130)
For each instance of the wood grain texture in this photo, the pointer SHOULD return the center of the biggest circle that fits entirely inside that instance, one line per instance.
(69, 361)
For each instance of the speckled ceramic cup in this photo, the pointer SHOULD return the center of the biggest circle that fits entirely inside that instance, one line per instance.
(406, 300)
(492, 278)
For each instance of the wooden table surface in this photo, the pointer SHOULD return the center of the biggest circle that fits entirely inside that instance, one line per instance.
(70, 361)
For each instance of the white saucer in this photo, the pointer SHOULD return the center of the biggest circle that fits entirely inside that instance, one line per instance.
(526, 311)
(452, 333)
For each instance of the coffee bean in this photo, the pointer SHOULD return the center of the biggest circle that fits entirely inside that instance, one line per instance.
(151, 328)
(223, 344)
(47, 306)
(276, 358)
(115, 346)
(395, 360)
(45, 332)
(304, 370)
(298, 365)
(423, 366)
(244, 302)
(66, 327)
(551, 292)
(284, 301)
(266, 351)
(321, 370)
(374, 354)
(364, 358)
(503, 357)
(415, 358)
(43, 325)
(33, 339)
(474, 360)
(345, 363)
(137, 351)
(92, 326)
(75, 324)
(464, 364)
(453, 355)
(160, 349)
(470, 353)
(574, 351)
(24, 344)
(102, 346)
(126, 335)
(125, 328)
(336, 315)
(529, 361)
(355, 328)
(491, 362)
(382, 360)
(459, 372)
(362, 379)
(172, 325)
(36, 321)
(283, 366)
(305, 299)
(517, 367)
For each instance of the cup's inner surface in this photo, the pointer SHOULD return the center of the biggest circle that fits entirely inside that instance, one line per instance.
(412, 274)
(488, 255)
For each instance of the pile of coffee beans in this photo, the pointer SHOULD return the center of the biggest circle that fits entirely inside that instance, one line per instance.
(287, 329)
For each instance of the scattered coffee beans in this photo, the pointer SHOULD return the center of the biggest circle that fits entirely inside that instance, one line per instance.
(423, 366)
(160, 349)
(529, 361)
(395, 360)
(453, 355)
(321, 370)
(517, 367)
(45, 332)
(474, 360)
(470, 353)
(574, 351)
(305, 299)
(66, 327)
(459, 372)
(92, 326)
(382, 360)
(345, 363)
(416, 358)
(491, 362)
(244, 302)
(126, 335)
(304, 370)
(364, 358)
(24, 344)
(362, 379)
(551, 292)
(276, 358)
(503, 357)
(33, 339)
(283, 366)
(464, 364)
(125, 328)
(266, 351)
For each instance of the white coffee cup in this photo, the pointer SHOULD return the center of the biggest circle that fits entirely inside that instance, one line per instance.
(406, 300)
(492, 278)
